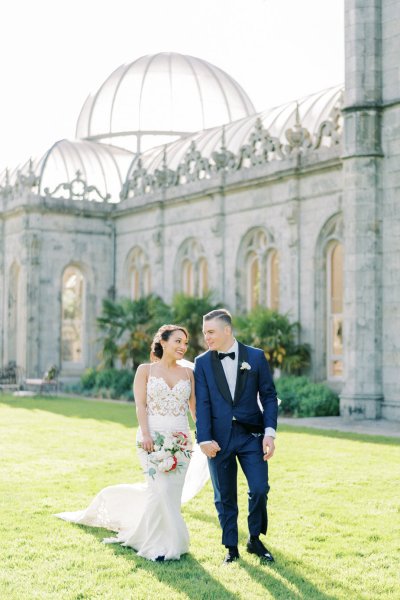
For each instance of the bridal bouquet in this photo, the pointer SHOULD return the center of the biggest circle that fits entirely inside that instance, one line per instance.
(169, 448)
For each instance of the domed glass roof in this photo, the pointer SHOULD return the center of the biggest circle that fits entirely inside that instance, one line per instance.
(158, 98)
(312, 110)
(98, 171)
(99, 165)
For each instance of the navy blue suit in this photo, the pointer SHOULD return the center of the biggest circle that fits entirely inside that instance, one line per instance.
(238, 426)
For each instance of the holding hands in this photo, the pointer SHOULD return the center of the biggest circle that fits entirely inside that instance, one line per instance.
(210, 449)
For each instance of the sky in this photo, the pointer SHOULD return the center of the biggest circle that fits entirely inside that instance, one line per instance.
(53, 53)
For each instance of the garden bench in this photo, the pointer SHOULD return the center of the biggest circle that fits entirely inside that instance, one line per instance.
(47, 384)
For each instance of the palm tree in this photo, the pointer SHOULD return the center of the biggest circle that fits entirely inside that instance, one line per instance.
(273, 332)
(128, 327)
(188, 311)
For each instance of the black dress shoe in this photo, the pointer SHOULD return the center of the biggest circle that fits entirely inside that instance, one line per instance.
(160, 558)
(255, 546)
(232, 555)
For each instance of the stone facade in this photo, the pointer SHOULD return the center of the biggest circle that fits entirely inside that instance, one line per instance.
(302, 190)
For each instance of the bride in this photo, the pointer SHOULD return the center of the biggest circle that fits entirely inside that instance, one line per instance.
(147, 516)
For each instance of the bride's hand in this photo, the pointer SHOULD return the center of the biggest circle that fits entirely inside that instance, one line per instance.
(147, 443)
(210, 449)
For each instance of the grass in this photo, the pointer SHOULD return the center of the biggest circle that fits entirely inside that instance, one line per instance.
(334, 514)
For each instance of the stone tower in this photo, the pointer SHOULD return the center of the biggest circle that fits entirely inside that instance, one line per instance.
(370, 185)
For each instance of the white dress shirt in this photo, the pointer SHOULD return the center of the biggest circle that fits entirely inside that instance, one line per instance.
(230, 369)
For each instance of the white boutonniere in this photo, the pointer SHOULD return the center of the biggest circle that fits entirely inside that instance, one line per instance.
(245, 366)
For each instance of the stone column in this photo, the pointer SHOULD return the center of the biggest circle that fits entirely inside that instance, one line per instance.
(2, 291)
(222, 290)
(32, 246)
(362, 393)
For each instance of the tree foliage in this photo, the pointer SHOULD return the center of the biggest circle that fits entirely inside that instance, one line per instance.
(188, 311)
(128, 327)
(273, 332)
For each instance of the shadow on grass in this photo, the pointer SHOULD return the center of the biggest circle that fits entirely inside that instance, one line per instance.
(185, 575)
(81, 408)
(188, 576)
(270, 577)
(125, 414)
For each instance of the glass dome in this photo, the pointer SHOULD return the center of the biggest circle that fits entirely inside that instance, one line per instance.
(98, 165)
(312, 110)
(98, 171)
(159, 98)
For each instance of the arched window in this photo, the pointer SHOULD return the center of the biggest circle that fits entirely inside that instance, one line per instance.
(253, 281)
(139, 274)
(192, 269)
(187, 278)
(203, 277)
(273, 280)
(72, 316)
(146, 280)
(135, 284)
(258, 271)
(335, 310)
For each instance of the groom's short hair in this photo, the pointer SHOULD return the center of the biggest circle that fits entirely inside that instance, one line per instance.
(222, 314)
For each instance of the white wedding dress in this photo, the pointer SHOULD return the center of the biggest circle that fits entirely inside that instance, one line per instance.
(147, 516)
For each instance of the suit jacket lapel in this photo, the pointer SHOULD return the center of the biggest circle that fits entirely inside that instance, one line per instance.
(220, 378)
(241, 377)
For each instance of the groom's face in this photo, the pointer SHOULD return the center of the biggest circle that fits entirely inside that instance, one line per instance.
(217, 334)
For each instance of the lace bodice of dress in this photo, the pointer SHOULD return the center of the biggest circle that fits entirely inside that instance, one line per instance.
(165, 401)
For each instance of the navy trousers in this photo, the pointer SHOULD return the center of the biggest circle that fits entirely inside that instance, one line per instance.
(247, 449)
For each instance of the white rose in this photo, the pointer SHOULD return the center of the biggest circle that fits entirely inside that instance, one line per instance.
(160, 454)
(166, 464)
(168, 441)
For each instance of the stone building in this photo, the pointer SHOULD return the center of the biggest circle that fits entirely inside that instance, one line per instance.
(175, 183)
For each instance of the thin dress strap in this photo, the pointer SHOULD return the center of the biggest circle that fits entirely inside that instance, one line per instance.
(187, 373)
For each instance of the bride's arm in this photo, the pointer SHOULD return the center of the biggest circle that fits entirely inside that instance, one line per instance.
(140, 395)
(192, 399)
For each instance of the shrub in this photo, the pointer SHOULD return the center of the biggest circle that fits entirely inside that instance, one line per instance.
(108, 383)
(88, 379)
(303, 398)
(113, 383)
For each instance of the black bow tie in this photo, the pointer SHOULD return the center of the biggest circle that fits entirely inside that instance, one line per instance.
(222, 355)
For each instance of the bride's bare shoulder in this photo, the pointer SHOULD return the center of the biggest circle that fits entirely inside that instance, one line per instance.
(143, 369)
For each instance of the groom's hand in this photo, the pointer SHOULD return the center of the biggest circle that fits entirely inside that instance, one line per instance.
(210, 449)
(268, 447)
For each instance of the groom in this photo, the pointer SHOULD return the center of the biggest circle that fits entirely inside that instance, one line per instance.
(230, 425)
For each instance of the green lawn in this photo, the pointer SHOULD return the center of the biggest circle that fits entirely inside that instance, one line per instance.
(334, 514)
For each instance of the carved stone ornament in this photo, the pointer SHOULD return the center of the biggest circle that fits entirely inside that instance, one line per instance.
(330, 130)
(224, 160)
(299, 137)
(29, 181)
(140, 182)
(6, 190)
(77, 190)
(23, 182)
(194, 166)
(260, 148)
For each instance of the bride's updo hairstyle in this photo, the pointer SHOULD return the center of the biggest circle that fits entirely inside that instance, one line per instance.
(164, 334)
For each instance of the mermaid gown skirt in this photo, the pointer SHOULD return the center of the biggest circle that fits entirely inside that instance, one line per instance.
(147, 516)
